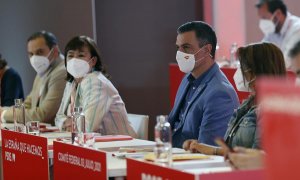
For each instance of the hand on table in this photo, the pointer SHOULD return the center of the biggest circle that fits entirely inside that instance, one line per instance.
(195, 147)
(243, 158)
(187, 144)
(67, 125)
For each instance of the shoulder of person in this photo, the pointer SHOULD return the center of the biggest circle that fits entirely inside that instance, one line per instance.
(218, 91)
(294, 18)
(95, 77)
(215, 75)
(97, 80)
(60, 64)
(221, 93)
(220, 83)
(11, 73)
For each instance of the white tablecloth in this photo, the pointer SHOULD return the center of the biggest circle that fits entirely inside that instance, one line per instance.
(117, 166)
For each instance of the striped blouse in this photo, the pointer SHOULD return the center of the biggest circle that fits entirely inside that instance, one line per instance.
(103, 107)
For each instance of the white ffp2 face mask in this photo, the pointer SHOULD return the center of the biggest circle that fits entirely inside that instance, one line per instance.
(240, 84)
(187, 62)
(40, 63)
(267, 26)
(78, 68)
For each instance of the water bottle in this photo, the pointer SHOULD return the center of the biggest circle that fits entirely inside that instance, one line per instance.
(233, 60)
(163, 139)
(19, 116)
(78, 126)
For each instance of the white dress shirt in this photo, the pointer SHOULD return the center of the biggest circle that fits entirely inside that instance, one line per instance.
(289, 35)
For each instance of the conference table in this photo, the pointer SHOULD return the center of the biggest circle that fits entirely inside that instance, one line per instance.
(116, 165)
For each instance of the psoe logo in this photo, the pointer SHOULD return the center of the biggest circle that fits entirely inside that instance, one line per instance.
(150, 177)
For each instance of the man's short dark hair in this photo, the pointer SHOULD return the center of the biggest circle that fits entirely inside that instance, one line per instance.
(48, 36)
(295, 51)
(204, 33)
(273, 5)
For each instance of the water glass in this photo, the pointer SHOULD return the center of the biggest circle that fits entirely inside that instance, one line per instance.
(33, 128)
(88, 139)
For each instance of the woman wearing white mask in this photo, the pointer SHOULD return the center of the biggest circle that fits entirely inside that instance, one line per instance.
(88, 87)
(256, 60)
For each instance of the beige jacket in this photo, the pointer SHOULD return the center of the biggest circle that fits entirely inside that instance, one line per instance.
(45, 97)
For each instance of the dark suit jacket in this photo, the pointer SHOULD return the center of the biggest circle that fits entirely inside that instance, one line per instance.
(11, 87)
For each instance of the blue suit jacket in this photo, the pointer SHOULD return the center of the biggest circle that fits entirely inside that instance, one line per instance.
(209, 111)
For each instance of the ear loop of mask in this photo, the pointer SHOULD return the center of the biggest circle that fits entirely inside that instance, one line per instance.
(92, 68)
(49, 55)
(248, 82)
(252, 80)
(201, 59)
(50, 52)
(90, 60)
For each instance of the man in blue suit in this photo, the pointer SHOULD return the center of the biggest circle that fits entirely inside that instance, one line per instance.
(205, 99)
